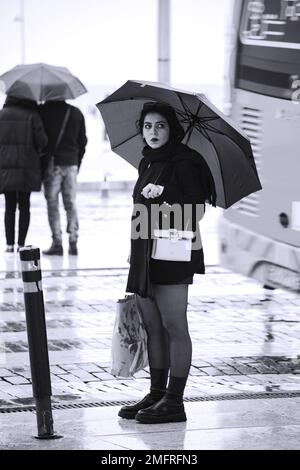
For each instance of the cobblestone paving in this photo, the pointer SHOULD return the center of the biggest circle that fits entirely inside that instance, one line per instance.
(245, 338)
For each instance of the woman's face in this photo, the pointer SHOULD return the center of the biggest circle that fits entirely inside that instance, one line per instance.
(156, 130)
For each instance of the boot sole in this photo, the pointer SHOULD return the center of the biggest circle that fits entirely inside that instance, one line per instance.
(150, 419)
(127, 414)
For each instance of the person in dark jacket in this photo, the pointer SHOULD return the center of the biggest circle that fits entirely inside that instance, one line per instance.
(67, 149)
(170, 175)
(23, 143)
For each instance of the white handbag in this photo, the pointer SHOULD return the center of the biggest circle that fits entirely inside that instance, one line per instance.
(172, 245)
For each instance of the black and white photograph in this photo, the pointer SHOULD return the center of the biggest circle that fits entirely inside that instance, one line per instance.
(149, 230)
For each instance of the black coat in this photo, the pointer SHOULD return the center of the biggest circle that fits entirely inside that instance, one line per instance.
(71, 148)
(183, 178)
(22, 143)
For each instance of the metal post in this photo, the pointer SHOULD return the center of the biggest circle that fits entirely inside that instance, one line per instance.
(21, 19)
(37, 340)
(164, 41)
(104, 188)
(22, 25)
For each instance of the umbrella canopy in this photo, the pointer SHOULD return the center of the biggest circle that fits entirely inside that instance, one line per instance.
(225, 148)
(41, 82)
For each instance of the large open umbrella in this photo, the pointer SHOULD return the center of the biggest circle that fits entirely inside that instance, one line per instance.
(225, 147)
(41, 82)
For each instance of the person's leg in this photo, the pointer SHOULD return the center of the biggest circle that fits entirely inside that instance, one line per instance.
(9, 218)
(172, 303)
(24, 216)
(69, 187)
(158, 345)
(158, 355)
(52, 188)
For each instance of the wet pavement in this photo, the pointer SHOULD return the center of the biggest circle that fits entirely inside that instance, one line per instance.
(244, 386)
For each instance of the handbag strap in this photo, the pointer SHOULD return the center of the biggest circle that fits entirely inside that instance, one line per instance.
(62, 129)
(185, 230)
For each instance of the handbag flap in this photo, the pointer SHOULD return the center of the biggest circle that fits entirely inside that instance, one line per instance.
(173, 234)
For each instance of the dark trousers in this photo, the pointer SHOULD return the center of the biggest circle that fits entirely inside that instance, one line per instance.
(12, 200)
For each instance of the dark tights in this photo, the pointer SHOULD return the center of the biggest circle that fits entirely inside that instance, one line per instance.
(12, 199)
(169, 342)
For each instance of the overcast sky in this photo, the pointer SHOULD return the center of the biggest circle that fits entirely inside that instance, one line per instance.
(110, 41)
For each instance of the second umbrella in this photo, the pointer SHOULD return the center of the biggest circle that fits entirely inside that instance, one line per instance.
(42, 82)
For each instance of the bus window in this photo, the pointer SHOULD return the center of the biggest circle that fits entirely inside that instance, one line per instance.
(269, 47)
(271, 23)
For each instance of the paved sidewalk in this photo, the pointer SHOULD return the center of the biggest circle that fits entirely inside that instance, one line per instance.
(227, 424)
(244, 386)
(245, 339)
(244, 382)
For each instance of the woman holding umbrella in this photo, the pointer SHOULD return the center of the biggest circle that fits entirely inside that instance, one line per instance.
(22, 143)
(170, 174)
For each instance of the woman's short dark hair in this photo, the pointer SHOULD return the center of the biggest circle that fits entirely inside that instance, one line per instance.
(176, 130)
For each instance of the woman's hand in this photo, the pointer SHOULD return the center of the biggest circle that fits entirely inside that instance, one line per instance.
(152, 191)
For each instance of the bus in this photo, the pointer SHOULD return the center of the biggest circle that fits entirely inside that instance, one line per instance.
(260, 235)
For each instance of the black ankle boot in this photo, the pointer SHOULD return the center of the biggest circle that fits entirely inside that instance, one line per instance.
(73, 248)
(175, 389)
(170, 409)
(164, 411)
(55, 249)
(159, 378)
(130, 411)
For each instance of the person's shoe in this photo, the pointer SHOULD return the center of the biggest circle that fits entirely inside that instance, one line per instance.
(130, 411)
(54, 249)
(73, 248)
(9, 249)
(19, 247)
(164, 411)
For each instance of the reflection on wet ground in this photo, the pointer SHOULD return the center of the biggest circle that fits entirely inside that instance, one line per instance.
(245, 338)
(227, 424)
(246, 343)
